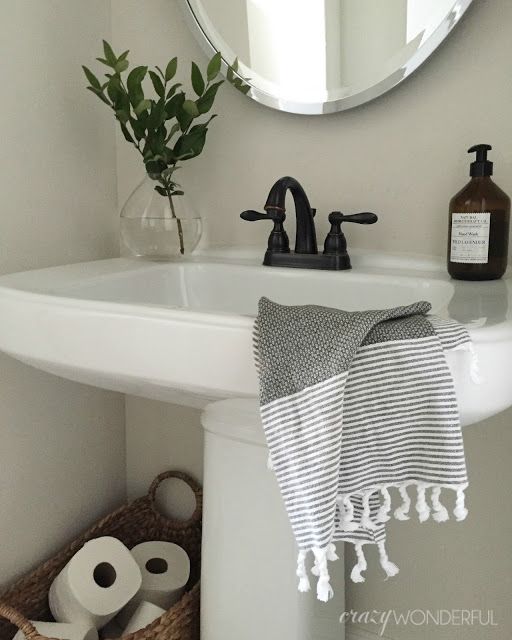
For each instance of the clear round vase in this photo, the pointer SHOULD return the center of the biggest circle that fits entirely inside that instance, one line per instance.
(158, 227)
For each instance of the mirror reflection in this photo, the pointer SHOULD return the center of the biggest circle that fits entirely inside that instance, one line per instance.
(326, 52)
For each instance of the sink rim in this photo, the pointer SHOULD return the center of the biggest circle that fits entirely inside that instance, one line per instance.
(145, 349)
(26, 286)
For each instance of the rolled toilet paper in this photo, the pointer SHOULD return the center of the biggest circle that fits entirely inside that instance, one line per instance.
(63, 630)
(96, 583)
(145, 614)
(165, 569)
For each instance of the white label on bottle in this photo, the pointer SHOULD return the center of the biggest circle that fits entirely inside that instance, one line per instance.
(470, 238)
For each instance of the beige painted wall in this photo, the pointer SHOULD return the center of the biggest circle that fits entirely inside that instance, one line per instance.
(62, 444)
(402, 156)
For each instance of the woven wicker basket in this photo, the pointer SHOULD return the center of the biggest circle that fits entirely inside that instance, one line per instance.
(139, 521)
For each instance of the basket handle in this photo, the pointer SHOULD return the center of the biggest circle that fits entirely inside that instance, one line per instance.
(17, 619)
(188, 480)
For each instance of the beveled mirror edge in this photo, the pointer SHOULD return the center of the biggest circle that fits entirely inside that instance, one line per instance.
(356, 99)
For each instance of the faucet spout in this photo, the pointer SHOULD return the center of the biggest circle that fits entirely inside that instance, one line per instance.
(305, 239)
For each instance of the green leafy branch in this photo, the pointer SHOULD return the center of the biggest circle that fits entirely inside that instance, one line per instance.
(166, 128)
(169, 127)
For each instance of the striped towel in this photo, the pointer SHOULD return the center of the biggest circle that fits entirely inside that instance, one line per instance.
(352, 404)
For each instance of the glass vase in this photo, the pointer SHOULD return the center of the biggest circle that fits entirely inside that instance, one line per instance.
(156, 226)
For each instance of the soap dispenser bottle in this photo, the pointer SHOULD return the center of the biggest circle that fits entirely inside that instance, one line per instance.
(479, 224)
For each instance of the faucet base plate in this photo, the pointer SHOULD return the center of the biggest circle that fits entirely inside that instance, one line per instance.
(329, 262)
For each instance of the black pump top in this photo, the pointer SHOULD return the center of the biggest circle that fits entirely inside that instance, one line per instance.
(481, 166)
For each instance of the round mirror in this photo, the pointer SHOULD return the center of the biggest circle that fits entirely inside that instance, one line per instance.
(322, 56)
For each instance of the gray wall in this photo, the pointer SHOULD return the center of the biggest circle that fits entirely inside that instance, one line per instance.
(62, 461)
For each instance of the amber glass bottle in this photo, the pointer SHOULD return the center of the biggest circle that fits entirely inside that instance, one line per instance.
(479, 224)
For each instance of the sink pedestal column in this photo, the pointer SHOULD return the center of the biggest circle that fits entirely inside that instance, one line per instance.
(248, 582)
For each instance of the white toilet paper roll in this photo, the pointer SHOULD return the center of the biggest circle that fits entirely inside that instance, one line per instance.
(145, 614)
(165, 569)
(64, 630)
(95, 584)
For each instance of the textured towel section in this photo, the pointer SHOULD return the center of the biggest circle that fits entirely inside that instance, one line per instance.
(354, 405)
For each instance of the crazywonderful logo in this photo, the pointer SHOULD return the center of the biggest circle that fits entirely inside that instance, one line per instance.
(421, 618)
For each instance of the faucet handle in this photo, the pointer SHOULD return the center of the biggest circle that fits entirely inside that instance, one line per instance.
(272, 214)
(336, 218)
(335, 242)
(278, 240)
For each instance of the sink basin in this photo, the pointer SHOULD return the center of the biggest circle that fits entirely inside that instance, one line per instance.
(182, 331)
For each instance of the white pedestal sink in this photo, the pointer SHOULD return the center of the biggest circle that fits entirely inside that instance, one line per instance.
(181, 331)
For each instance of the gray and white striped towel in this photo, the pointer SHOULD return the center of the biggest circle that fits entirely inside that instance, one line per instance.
(352, 404)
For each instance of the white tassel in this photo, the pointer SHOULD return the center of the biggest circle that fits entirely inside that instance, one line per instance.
(382, 515)
(304, 584)
(347, 515)
(402, 513)
(389, 567)
(324, 591)
(421, 505)
(440, 511)
(460, 512)
(474, 370)
(270, 464)
(332, 556)
(366, 522)
(361, 565)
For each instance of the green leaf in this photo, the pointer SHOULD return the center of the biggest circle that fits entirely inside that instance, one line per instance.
(191, 144)
(197, 80)
(134, 85)
(155, 167)
(157, 116)
(121, 66)
(205, 102)
(174, 129)
(105, 62)
(93, 80)
(143, 105)
(100, 94)
(214, 66)
(122, 115)
(161, 191)
(109, 54)
(139, 129)
(172, 90)
(173, 106)
(184, 119)
(114, 88)
(170, 70)
(124, 55)
(191, 108)
(157, 83)
(126, 133)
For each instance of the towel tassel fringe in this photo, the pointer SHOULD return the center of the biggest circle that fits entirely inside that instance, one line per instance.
(440, 511)
(304, 584)
(361, 565)
(366, 521)
(460, 512)
(421, 505)
(402, 512)
(324, 591)
(389, 567)
(382, 515)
